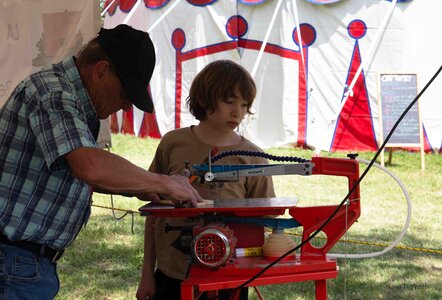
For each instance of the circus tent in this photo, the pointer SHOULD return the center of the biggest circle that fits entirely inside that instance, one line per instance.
(316, 64)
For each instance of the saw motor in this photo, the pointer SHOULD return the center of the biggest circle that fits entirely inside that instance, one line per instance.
(213, 245)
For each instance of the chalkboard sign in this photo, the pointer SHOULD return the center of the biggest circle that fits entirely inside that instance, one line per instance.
(397, 91)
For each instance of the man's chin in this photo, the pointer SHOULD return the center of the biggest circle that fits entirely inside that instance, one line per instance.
(104, 116)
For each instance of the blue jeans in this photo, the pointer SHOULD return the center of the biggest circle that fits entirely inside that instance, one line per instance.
(23, 275)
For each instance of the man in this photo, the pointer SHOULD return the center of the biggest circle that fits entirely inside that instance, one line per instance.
(50, 163)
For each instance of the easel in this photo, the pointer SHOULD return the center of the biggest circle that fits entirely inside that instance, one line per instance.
(395, 93)
(393, 148)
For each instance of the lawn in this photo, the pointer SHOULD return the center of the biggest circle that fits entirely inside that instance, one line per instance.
(105, 260)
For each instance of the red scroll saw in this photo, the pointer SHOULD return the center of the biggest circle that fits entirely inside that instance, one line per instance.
(230, 224)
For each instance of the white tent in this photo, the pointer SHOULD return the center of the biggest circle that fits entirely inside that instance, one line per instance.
(303, 88)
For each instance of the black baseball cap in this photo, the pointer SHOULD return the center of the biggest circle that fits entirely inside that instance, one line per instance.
(132, 53)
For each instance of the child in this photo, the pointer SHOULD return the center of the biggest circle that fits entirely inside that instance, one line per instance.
(220, 96)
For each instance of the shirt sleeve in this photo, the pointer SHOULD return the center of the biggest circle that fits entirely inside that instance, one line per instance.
(157, 164)
(60, 126)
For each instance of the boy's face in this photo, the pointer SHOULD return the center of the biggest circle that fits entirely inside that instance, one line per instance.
(228, 113)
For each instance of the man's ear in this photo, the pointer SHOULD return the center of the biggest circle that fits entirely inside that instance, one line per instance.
(99, 70)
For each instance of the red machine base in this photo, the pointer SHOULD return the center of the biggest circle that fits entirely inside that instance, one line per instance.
(212, 280)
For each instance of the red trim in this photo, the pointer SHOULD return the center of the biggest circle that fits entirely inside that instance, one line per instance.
(128, 122)
(354, 128)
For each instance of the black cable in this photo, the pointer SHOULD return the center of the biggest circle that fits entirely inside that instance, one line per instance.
(112, 205)
(349, 193)
(258, 154)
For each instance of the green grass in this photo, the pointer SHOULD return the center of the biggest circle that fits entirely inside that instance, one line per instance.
(105, 260)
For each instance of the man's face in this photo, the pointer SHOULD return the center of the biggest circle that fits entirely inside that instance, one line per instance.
(108, 94)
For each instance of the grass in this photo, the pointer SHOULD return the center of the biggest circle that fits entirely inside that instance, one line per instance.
(105, 260)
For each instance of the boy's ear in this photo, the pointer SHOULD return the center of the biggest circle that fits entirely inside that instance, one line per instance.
(201, 102)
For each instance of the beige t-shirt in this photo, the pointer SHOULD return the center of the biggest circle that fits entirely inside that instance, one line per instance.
(182, 145)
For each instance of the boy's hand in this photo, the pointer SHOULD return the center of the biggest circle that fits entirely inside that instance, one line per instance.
(146, 287)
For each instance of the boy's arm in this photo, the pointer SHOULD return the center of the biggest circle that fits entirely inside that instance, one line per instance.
(146, 287)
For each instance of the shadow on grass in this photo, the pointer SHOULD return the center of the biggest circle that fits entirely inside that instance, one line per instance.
(380, 278)
(105, 262)
(399, 274)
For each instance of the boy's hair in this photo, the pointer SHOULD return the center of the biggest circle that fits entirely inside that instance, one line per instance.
(218, 81)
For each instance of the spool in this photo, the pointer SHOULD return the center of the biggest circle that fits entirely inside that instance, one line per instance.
(244, 252)
(277, 244)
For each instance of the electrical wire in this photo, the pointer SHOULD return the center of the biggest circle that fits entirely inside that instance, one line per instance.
(112, 204)
(404, 230)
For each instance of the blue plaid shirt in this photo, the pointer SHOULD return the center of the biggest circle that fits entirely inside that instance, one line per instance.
(48, 115)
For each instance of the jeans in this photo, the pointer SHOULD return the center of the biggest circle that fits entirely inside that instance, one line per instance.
(23, 275)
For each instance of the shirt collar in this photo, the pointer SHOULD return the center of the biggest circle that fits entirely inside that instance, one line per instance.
(80, 90)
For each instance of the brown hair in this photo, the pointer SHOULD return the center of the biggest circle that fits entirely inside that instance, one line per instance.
(91, 53)
(218, 81)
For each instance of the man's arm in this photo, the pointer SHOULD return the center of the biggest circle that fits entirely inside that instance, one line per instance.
(110, 173)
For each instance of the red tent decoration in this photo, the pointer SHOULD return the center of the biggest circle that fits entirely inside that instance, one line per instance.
(354, 129)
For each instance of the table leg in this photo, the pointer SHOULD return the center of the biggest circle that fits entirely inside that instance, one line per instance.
(321, 289)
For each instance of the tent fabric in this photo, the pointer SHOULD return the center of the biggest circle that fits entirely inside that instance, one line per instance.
(34, 34)
(301, 85)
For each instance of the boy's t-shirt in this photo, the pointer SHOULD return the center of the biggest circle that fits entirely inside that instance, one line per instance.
(177, 147)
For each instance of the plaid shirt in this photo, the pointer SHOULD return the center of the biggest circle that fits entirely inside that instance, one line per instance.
(48, 115)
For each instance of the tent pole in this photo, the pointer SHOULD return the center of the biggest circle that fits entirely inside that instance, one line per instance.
(132, 11)
(106, 8)
(266, 39)
(152, 27)
(298, 32)
(370, 57)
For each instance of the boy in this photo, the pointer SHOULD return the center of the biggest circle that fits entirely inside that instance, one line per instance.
(220, 96)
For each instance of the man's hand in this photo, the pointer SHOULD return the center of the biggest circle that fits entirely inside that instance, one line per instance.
(180, 190)
(152, 197)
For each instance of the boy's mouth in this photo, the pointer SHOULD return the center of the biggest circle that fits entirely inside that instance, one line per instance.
(233, 124)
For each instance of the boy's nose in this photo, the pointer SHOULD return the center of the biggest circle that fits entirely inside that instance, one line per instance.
(236, 111)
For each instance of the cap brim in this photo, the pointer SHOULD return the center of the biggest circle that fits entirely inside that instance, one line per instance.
(139, 95)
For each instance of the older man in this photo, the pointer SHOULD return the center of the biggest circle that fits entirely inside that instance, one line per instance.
(50, 163)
